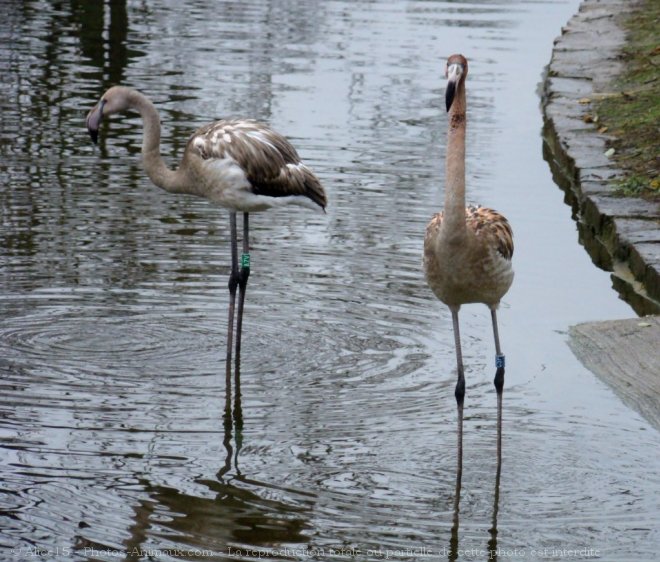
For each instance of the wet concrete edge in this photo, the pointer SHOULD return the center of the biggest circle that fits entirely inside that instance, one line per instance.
(623, 353)
(621, 234)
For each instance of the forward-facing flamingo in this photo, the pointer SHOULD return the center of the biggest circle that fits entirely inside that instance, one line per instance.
(241, 165)
(467, 250)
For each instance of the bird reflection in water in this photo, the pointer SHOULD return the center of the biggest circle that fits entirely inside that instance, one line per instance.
(232, 421)
(492, 549)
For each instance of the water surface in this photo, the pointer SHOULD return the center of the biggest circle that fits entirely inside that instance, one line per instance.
(113, 313)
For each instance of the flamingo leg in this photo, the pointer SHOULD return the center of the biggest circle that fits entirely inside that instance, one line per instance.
(499, 384)
(233, 283)
(499, 387)
(459, 393)
(243, 275)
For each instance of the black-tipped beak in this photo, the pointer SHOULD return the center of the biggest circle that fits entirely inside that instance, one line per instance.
(454, 73)
(450, 93)
(94, 119)
(94, 134)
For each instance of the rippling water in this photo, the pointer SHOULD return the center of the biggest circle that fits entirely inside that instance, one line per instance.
(113, 313)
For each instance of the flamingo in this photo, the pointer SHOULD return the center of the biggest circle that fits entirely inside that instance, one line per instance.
(239, 164)
(467, 250)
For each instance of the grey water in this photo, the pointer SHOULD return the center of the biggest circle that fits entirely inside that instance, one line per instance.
(113, 444)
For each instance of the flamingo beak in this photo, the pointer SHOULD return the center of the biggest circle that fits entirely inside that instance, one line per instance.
(94, 118)
(454, 73)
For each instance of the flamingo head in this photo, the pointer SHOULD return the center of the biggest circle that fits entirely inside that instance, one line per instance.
(115, 100)
(455, 72)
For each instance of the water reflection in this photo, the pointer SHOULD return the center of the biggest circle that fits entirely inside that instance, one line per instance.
(231, 518)
(492, 543)
(453, 552)
(232, 421)
(455, 524)
(623, 281)
(104, 46)
(118, 428)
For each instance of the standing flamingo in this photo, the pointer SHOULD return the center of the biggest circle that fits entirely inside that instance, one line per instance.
(467, 250)
(241, 165)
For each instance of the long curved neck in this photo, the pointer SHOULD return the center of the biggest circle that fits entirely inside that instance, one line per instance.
(454, 210)
(174, 181)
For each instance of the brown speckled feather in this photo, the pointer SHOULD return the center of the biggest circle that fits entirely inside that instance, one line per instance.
(489, 226)
(270, 162)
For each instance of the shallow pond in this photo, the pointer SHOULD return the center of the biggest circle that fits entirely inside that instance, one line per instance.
(113, 309)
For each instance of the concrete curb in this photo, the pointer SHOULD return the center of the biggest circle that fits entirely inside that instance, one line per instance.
(623, 353)
(622, 234)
